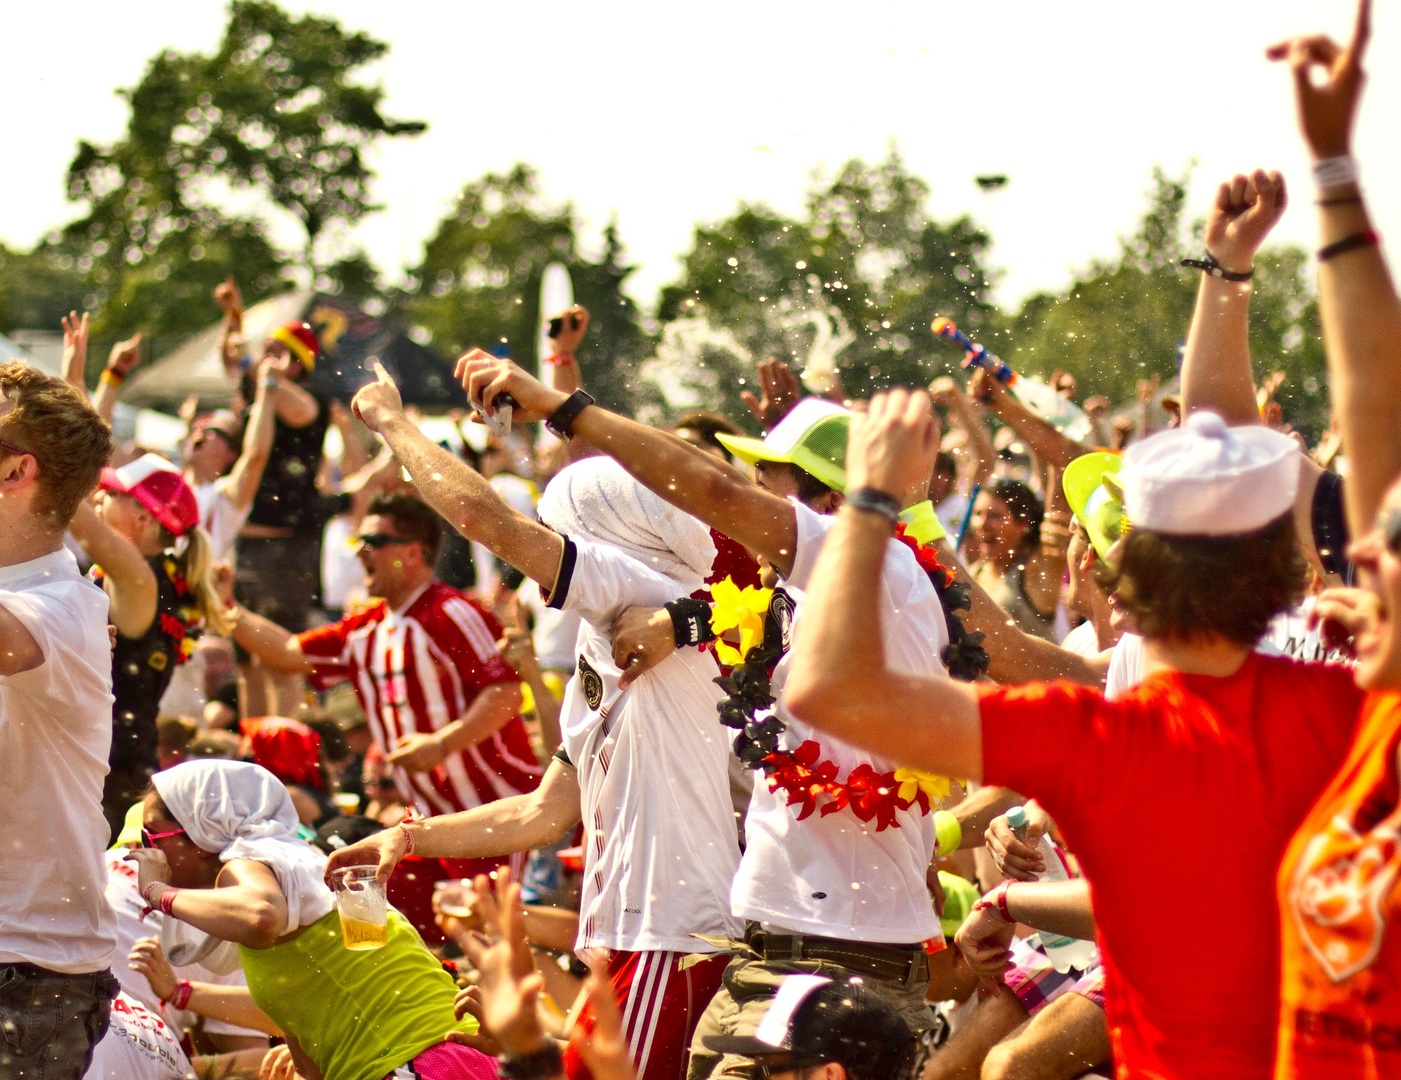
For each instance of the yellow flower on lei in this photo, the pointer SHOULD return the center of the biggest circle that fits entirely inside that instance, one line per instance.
(912, 782)
(738, 609)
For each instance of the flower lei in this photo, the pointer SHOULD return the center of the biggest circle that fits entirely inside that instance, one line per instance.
(801, 774)
(184, 625)
(964, 655)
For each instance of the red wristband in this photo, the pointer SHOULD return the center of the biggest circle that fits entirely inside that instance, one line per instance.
(168, 899)
(408, 838)
(146, 892)
(1000, 893)
(560, 359)
(180, 996)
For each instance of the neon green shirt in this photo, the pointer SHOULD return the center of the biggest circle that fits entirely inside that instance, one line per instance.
(358, 1015)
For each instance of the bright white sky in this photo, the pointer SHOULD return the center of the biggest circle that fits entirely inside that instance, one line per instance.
(665, 115)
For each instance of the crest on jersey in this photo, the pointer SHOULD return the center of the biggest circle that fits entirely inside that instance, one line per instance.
(781, 612)
(1340, 893)
(591, 683)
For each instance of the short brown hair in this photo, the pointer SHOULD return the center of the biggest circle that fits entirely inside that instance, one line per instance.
(62, 430)
(414, 519)
(1192, 587)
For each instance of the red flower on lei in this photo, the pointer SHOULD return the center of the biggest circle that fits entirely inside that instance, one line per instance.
(805, 777)
(926, 554)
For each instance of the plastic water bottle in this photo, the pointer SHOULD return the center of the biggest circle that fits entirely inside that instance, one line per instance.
(1063, 952)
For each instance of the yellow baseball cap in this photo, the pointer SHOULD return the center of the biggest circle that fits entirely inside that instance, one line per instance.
(1092, 489)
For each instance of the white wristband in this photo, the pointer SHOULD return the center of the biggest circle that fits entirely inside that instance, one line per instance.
(1335, 171)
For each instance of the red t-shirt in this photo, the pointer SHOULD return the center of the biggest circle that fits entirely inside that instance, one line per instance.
(418, 670)
(1178, 798)
(1341, 982)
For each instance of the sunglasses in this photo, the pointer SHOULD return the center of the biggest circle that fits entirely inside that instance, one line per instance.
(375, 541)
(149, 838)
(11, 448)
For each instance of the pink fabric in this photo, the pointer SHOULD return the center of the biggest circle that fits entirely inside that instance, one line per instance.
(452, 1061)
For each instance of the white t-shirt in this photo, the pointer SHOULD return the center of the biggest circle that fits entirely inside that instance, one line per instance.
(555, 631)
(660, 840)
(1082, 641)
(55, 735)
(1128, 664)
(220, 518)
(139, 1045)
(134, 921)
(835, 875)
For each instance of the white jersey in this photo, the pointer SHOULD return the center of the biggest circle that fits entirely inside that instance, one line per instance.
(835, 875)
(1082, 641)
(220, 518)
(139, 1045)
(660, 842)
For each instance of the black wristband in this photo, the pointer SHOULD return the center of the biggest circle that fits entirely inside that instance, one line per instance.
(561, 422)
(1209, 265)
(538, 1065)
(1365, 238)
(690, 619)
(877, 502)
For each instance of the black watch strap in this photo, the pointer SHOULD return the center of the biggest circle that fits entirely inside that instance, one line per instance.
(561, 422)
(1209, 265)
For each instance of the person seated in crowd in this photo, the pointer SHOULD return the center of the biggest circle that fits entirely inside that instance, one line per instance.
(223, 857)
(153, 560)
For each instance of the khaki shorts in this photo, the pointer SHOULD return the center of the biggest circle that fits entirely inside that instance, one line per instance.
(738, 1007)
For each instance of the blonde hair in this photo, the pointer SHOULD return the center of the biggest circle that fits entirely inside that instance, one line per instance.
(196, 565)
(58, 425)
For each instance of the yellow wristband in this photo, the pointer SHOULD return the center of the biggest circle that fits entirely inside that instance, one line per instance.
(110, 377)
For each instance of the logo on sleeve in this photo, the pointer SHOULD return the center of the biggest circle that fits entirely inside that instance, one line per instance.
(781, 612)
(591, 683)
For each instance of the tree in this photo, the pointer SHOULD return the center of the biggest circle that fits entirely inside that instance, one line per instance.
(1118, 322)
(37, 289)
(866, 259)
(1124, 321)
(275, 111)
(479, 282)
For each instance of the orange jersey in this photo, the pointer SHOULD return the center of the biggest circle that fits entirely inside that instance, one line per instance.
(1341, 965)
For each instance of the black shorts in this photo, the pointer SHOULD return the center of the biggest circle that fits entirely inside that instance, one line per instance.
(279, 578)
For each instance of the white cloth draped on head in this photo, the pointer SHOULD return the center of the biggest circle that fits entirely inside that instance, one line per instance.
(597, 500)
(242, 811)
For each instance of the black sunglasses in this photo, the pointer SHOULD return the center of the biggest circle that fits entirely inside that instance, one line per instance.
(375, 541)
(13, 449)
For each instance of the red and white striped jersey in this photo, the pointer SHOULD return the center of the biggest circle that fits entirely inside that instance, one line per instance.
(418, 669)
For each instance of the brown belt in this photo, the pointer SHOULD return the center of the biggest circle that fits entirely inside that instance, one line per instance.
(894, 963)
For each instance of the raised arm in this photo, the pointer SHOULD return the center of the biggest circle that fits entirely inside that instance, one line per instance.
(246, 905)
(689, 478)
(121, 362)
(1041, 438)
(839, 680)
(128, 578)
(457, 491)
(241, 485)
(966, 414)
(1357, 300)
(75, 351)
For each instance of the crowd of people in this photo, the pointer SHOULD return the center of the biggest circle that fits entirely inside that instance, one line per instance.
(920, 736)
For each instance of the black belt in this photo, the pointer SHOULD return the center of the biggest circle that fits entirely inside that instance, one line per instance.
(894, 963)
(34, 971)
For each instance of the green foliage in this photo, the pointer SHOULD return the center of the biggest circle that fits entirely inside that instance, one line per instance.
(1120, 322)
(37, 289)
(1286, 335)
(866, 255)
(273, 111)
(479, 282)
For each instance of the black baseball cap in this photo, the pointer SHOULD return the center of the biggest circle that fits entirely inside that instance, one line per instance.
(814, 1019)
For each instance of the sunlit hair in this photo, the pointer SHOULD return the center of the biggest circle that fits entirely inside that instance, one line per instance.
(1024, 506)
(196, 565)
(62, 430)
(1193, 587)
(414, 520)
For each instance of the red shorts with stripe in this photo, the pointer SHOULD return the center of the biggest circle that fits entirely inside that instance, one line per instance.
(661, 1007)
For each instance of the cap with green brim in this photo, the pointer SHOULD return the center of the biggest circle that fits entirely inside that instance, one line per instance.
(1091, 488)
(811, 436)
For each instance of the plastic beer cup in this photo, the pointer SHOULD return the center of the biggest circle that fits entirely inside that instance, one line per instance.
(363, 908)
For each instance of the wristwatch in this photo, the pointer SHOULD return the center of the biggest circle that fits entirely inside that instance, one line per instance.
(561, 421)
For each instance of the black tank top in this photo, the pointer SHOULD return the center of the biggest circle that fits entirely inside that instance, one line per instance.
(142, 669)
(287, 497)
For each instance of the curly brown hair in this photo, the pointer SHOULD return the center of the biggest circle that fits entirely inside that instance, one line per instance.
(1195, 587)
(56, 424)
